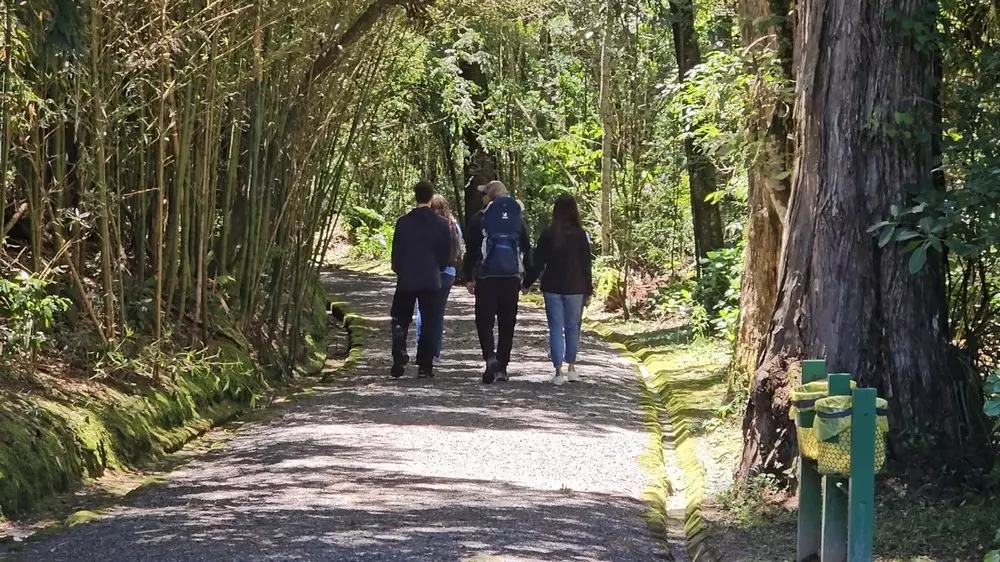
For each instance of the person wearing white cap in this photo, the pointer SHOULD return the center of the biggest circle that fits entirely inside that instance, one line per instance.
(498, 251)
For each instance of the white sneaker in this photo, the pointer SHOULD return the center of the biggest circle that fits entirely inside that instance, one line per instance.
(571, 374)
(559, 379)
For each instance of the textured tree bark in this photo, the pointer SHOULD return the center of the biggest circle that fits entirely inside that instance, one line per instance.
(701, 173)
(840, 296)
(766, 31)
(480, 166)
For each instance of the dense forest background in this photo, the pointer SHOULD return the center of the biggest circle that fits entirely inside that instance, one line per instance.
(817, 180)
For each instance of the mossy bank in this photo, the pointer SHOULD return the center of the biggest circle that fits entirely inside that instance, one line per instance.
(62, 424)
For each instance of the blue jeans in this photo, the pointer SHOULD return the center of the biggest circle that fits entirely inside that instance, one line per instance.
(438, 339)
(565, 315)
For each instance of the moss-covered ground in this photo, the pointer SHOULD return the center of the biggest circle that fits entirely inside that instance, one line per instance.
(67, 420)
(700, 427)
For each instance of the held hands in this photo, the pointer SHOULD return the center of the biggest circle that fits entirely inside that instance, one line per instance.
(471, 287)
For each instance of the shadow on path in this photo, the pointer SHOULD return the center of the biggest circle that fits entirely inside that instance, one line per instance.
(373, 468)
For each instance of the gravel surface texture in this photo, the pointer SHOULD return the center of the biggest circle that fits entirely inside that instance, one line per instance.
(377, 469)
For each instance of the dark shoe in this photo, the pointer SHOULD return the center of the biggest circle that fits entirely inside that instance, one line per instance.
(502, 375)
(397, 371)
(492, 371)
(425, 373)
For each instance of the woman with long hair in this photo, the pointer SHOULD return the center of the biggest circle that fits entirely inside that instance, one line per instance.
(439, 204)
(562, 259)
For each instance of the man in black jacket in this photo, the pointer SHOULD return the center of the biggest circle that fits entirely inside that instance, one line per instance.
(421, 249)
(496, 297)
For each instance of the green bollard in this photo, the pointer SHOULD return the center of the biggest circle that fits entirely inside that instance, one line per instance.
(861, 531)
(835, 504)
(810, 484)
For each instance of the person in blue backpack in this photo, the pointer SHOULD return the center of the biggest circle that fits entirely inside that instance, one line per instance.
(497, 253)
(421, 249)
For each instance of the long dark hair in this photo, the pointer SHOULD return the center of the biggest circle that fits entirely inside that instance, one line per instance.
(565, 219)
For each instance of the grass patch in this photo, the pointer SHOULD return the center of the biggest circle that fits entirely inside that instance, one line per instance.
(758, 524)
(909, 527)
(684, 393)
(912, 527)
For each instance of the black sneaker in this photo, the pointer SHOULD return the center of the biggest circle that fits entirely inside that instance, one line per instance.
(425, 373)
(397, 371)
(493, 371)
(502, 375)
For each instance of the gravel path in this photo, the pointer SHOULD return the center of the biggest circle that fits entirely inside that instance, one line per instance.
(379, 469)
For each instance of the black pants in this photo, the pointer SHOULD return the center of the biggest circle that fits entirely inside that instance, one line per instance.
(496, 299)
(402, 316)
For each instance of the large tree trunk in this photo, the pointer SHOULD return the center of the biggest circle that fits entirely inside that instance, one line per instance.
(769, 178)
(701, 172)
(840, 296)
(480, 166)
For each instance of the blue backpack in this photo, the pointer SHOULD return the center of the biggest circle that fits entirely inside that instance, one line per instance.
(501, 239)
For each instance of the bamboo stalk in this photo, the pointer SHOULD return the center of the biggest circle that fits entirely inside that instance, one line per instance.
(103, 205)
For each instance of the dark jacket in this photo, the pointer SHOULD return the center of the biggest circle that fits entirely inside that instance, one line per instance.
(565, 270)
(421, 248)
(474, 247)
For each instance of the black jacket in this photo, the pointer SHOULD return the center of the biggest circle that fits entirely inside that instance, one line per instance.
(566, 270)
(421, 248)
(474, 247)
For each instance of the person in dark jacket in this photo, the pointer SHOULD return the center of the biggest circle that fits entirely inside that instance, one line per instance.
(441, 206)
(421, 249)
(496, 297)
(562, 258)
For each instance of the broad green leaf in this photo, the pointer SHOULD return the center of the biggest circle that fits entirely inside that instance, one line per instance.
(992, 556)
(878, 225)
(992, 408)
(918, 258)
(886, 236)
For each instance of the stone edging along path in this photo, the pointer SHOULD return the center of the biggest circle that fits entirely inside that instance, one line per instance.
(684, 474)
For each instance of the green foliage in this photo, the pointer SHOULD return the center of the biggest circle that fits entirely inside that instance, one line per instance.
(27, 313)
(751, 504)
(52, 442)
(992, 406)
(957, 221)
(992, 409)
(371, 234)
(719, 285)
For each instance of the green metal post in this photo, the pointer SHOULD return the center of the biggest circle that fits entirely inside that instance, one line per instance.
(834, 547)
(810, 484)
(861, 524)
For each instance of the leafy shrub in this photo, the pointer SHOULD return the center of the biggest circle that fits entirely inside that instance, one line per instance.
(27, 312)
(710, 303)
(371, 234)
(992, 409)
(718, 290)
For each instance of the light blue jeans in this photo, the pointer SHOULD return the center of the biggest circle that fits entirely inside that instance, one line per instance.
(565, 315)
(438, 339)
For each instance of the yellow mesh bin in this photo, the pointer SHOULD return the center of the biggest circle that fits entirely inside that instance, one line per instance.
(833, 433)
(804, 399)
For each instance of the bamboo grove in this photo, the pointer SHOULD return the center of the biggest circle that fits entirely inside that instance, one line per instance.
(178, 164)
